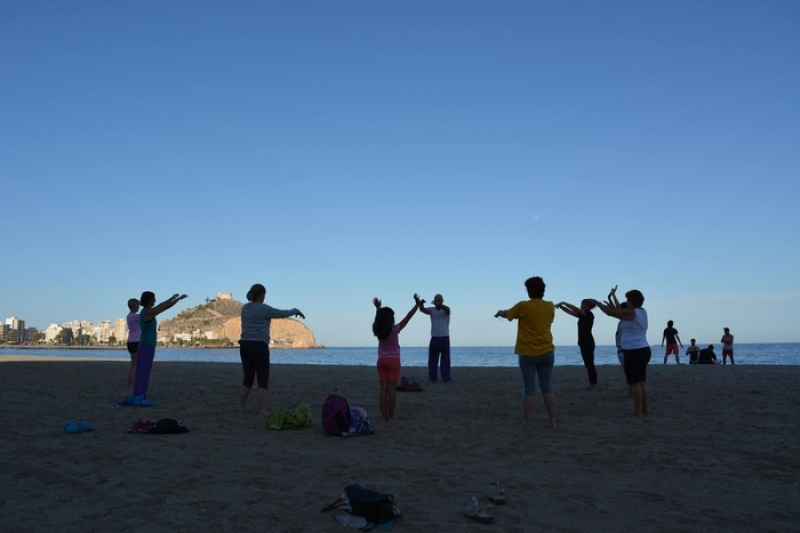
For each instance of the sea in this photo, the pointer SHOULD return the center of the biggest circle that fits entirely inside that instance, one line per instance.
(417, 356)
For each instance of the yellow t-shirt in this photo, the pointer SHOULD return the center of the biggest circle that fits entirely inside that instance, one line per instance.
(533, 331)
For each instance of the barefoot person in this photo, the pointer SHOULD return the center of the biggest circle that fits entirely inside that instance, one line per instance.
(146, 350)
(134, 334)
(388, 334)
(673, 342)
(534, 348)
(254, 345)
(635, 348)
(439, 347)
(585, 337)
(727, 346)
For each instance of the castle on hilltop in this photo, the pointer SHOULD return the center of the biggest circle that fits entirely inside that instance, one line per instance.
(224, 296)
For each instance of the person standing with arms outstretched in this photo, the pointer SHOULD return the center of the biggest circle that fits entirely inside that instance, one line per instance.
(389, 352)
(149, 338)
(534, 348)
(635, 348)
(254, 345)
(134, 334)
(673, 343)
(439, 347)
(727, 346)
(585, 338)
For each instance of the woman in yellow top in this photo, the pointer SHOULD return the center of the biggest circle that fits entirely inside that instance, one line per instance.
(534, 347)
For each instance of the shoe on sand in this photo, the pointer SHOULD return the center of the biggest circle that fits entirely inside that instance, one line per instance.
(478, 510)
(496, 493)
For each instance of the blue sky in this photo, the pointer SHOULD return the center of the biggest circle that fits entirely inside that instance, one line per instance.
(337, 151)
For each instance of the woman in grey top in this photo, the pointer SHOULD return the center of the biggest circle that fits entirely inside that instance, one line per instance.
(254, 345)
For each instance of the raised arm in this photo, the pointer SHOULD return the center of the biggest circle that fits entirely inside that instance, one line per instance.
(417, 304)
(163, 306)
(623, 313)
(422, 308)
(446, 309)
(612, 297)
(571, 309)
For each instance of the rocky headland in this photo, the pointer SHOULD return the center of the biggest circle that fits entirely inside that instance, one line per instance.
(222, 317)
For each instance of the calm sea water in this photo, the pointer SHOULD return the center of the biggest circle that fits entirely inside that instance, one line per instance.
(746, 354)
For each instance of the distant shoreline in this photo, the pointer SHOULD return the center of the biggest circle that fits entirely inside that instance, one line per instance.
(48, 347)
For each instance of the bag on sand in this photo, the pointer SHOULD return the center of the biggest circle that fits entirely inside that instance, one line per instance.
(375, 506)
(408, 385)
(280, 419)
(335, 415)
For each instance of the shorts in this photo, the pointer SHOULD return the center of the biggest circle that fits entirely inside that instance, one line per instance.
(389, 369)
(636, 365)
(727, 351)
(671, 349)
(133, 347)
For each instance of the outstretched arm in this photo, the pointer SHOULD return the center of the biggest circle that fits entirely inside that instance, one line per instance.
(612, 297)
(503, 313)
(623, 313)
(163, 306)
(417, 304)
(422, 308)
(571, 309)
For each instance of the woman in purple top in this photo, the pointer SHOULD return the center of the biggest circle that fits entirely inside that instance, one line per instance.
(134, 334)
(389, 352)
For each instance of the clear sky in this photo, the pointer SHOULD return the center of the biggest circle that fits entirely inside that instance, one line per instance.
(337, 151)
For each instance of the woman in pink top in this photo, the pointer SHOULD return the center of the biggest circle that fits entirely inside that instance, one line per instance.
(389, 352)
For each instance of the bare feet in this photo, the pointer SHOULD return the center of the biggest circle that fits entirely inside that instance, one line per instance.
(552, 424)
(591, 388)
(525, 425)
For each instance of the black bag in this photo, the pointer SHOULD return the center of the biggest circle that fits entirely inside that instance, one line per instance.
(373, 506)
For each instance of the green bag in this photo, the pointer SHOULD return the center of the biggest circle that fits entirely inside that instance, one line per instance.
(280, 419)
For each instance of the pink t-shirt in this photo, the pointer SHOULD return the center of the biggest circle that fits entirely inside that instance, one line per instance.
(134, 330)
(390, 346)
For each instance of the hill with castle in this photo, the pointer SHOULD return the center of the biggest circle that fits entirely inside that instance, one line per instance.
(221, 318)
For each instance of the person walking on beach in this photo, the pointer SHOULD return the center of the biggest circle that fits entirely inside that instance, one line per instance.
(635, 348)
(585, 337)
(439, 347)
(692, 352)
(134, 334)
(673, 341)
(254, 345)
(389, 352)
(534, 348)
(727, 346)
(146, 350)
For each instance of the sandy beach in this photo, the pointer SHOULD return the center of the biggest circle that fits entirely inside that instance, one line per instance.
(719, 452)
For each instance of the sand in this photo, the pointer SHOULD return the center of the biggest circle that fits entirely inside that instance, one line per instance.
(718, 453)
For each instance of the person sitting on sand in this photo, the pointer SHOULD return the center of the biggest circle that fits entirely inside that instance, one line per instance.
(707, 356)
(254, 345)
(692, 352)
(635, 348)
(585, 337)
(134, 334)
(146, 351)
(534, 348)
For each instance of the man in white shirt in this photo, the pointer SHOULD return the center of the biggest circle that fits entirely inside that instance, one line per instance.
(439, 348)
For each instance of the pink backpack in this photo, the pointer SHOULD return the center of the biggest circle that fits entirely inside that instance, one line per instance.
(335, 415)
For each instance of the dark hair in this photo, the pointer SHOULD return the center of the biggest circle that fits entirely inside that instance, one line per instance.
(384, 320)
(711, 347)
(255, 291)
(693, 340)
(725, 329)
(535, 286)
(669, 323)
(589, 302)
(133, 302)
(147, 298)
(636, 297)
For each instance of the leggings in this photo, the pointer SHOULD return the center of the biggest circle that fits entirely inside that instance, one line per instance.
(587, 352)
(144, 364)
(439, 346)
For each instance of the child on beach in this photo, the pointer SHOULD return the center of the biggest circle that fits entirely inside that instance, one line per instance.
(389, 352)
(134, 333)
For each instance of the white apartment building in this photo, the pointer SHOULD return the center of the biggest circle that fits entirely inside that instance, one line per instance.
(16, 325)
(121, 330)
(52, 333)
